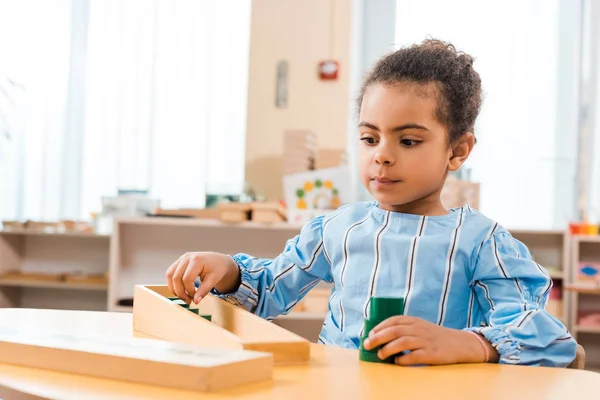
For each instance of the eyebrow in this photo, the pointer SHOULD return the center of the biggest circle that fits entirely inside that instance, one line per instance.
(396, 129)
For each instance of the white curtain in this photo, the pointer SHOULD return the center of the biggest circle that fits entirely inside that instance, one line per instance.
(589, 195)
(35, 41)
(516, 45)
(140, 95)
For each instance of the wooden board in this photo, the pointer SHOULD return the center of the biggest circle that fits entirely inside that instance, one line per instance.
(231, 327)
(138, 360)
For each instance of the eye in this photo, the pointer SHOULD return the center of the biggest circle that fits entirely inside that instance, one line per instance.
(368, 140)
(409, 142)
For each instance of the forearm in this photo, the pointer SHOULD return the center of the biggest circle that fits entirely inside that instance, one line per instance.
(231, 281)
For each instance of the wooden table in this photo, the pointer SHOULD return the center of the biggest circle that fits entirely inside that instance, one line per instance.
(332, 374)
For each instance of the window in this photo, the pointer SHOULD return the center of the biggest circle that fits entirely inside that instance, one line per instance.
(123, 95)
(526, 154)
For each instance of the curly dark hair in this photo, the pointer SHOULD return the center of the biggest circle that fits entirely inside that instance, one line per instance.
(438, 62)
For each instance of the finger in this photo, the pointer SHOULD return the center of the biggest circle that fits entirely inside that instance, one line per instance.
(386, 335)
(193, 270)
(205, 286)
(399, 345)
(169, 275)
(397, 320)
(413, 358)
(178, 287)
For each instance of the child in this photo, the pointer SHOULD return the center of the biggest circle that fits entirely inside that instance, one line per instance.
(472, 291)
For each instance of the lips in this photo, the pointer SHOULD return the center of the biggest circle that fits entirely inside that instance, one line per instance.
(383, 180)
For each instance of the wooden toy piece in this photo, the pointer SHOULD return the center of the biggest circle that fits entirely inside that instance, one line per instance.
(299, 147)
(268, 212)
(206, 213)
(138, 360)
(231, 327)
(13, 226)
(234, 212)
(330, 158)
(192, 307)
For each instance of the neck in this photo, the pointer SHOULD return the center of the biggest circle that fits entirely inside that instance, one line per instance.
(430, 205)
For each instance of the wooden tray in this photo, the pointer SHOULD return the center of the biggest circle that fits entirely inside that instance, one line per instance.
(138, 360)
(231, 327)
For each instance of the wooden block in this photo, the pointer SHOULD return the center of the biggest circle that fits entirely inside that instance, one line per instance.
(231, 327)
(329, 158)
(233, 216)
(300, 134)
(268, 212)
(291, 162)
(207, 213)
(267, 217)
(234, 212)
(138, 360)
(40, 226)
(13, 225)
(233, 206)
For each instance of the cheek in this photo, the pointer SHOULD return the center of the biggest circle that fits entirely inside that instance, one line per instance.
(364, 156)
(427, 161)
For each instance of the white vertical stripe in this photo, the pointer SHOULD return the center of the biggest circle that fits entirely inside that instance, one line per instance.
(521, 322)
(282, 274)
(504, 271)
(487, 237)
(344, 266)
(326, 222)
(314, 256)
(412, 261)
(450, 268)
(499, 262)
(376, 262)
(548, 286)
(471, 305)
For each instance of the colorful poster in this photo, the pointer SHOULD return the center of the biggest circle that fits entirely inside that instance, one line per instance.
(319, 192)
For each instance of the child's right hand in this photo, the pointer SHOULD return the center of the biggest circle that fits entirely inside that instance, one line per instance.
(214, 269)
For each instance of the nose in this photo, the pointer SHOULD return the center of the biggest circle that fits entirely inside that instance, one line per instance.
(383, 157)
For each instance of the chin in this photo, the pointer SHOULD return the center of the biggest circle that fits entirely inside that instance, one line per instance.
(389, 199)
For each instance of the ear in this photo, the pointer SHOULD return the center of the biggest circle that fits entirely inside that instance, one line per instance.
(460, 151)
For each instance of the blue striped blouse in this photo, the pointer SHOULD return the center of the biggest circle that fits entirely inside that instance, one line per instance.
(460, 270)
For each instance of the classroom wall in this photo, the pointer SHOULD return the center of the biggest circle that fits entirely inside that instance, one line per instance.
(303, 33)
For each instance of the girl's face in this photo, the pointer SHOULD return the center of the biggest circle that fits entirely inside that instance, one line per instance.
(404, 154)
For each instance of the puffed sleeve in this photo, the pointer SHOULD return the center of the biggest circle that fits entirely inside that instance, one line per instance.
(513, 291)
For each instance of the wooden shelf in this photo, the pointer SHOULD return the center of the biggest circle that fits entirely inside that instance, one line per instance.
(55, 234)
(587, 238)
(52, 284)
(209, 223)
(549, 232)
(555, 273)
(587, 329)
(582, 290)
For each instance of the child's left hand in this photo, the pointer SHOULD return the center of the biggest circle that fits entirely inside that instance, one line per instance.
(428, 343)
